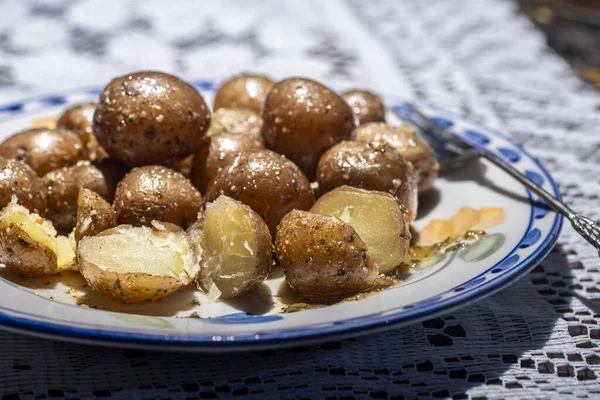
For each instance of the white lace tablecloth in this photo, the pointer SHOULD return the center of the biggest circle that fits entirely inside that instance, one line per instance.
(537, 339)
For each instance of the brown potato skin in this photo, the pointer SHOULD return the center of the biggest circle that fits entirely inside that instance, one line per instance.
(185, 166)
(409, 144)
(323, 257)
(302, 119)
(20, 180)
(243, 91)
(24, 255)
(101, 215)
(78, 119)
(63, 186)
(366, 106)
(265, 181)
(150, 118)
(236, 121)
(157, 193)
(374, 165)
(44, 150)
(216, 153)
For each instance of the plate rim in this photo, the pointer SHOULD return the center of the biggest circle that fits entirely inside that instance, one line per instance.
(307, 335)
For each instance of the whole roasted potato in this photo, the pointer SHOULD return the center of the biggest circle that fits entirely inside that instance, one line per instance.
(216, 153)
(374, 165)
(267, 182)
(323, 257)
(409, 144)
(150, 118)
(156, 193)
(78, 119)
(29, 244)
(134, 264)
(379, 219)
(302, 119)
(18, 179)
(94, 215)
(234, 247)
(236, 121)
(63, 186)
(44, 150)
(366, 106)
(243, 91)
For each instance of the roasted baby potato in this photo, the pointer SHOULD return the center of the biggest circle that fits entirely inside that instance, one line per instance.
(62, 186)
(156, 193)
(150, 118)
(134, 264)
(302, 119)
(29, 244)
(94, 215)
(235, 248)
(236, 121)
(18, 179)
(243, 91)
(409, 144)
(374, 165)
(78, 119)
(44, 150)
(323, 257)
(366, 106)
(267, 182)
(216, 153)
(378, 218)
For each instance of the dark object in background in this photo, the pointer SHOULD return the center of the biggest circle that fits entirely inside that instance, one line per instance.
(572, 28)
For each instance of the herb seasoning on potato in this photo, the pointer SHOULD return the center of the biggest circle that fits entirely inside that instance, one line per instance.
(302, 119)
(267, 182)
(150, 118)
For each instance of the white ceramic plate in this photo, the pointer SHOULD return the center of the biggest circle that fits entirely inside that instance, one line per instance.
(63, 308)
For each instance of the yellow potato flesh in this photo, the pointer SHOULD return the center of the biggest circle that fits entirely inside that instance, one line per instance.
(376, 217)
(140, 250)
(229, 244)
(41, 231)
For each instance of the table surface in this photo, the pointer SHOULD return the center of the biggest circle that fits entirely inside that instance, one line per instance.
(536, 339)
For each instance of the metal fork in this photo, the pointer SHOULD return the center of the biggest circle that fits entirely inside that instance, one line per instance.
(453, 151)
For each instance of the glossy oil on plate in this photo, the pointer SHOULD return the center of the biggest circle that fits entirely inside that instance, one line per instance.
(520, 232)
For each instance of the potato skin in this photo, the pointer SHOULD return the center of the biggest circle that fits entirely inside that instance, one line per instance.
(236, 121)
(157, 193)
(374, 165)
(302, 119)
(216, 153)
(20, 180)
(263, 251)
(78, 119)
(366, 106)
(63, 186)
(409, 144)
(44, 150)
(150, 118)
(24, 255)
(265, 181)
(323, 257)
(94, 215)
(243, 91)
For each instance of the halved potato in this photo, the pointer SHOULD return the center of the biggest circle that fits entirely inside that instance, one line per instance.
(323, 257)
(30, 245)
(378, 218)
(236, 248)
(94, 214)
(134, 264)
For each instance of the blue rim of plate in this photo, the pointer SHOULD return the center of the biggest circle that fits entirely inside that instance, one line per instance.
(475, 289)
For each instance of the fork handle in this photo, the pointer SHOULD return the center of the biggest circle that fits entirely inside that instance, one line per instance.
(587, 228)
